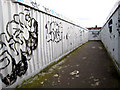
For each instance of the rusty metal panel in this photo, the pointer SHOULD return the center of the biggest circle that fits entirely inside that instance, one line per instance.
(31, 39)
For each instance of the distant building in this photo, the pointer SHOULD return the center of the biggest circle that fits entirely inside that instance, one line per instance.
(94, 33)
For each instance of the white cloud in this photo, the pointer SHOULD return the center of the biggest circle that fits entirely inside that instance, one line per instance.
(86, 12)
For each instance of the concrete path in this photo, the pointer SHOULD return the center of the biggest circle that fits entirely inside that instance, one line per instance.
(87, 67)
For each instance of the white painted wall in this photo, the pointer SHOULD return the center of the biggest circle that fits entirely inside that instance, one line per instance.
(111, 38)
(31, 39)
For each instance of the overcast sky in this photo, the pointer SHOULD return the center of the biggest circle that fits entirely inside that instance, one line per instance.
(87, 13)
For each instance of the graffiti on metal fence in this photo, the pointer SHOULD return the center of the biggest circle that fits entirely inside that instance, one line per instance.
(35, 4)
(95, 34)
(54, 31)
(19, 41)
(118, 25)
(110, 25)
(46, 9)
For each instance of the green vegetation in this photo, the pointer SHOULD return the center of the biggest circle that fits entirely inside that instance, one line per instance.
(39, 78)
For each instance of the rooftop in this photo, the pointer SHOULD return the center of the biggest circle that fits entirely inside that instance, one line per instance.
(94, 28)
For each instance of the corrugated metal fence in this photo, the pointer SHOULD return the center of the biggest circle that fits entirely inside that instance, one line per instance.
(110, 35)
(31, 39)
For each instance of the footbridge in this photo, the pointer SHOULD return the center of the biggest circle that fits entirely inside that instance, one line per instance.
(40, 48)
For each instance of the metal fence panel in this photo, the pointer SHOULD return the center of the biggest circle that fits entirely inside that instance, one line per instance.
(31, 39)
(110, 36)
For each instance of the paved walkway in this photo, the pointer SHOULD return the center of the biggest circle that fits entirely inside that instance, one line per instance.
(87, 67)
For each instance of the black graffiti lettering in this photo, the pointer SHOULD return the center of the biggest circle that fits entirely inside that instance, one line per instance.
(54, 32)
(34, 4)
(22, 66)
(118, 25)
(47, 9)
(25, 34)
(11, 78)
(2, 60)
(110, 25)
(95, 34)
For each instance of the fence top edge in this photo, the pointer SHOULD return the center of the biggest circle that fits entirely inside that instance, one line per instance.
(43, 11)
(112, 12)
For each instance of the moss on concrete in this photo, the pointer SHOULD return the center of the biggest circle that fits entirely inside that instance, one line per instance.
(39, 78)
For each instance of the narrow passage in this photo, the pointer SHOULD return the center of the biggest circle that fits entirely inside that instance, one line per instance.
(87, 67)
